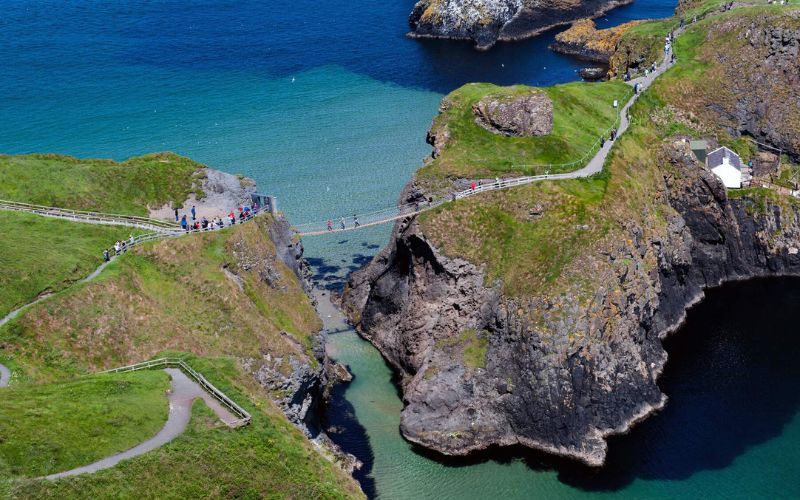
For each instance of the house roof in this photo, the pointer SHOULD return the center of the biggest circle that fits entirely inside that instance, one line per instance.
(717, 157)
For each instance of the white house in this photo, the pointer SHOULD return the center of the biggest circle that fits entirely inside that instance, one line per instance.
(726, 165)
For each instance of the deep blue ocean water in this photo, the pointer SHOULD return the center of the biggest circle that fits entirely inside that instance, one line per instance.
(326, 104)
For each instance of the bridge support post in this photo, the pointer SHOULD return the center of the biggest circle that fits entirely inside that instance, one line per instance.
(273, 205)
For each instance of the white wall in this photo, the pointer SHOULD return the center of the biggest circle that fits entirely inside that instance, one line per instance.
(730, 175)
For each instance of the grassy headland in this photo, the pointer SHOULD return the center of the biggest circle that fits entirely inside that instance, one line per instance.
(581, 114)
(223, 300)
(548, 238)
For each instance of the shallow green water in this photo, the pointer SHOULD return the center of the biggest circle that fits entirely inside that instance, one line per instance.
(715, 440)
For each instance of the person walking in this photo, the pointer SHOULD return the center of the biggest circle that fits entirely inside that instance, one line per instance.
(330, 225)
(472, 186)
(194, 213)
(184, 224)
(355, 221)
(106, 257)
(116, 248)
(602, 142)
(341, 223)
(176, 215)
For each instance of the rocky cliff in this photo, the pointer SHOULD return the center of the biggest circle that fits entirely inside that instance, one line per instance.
(585, 41)
(559, 346)
(481, 369)
(487, 21)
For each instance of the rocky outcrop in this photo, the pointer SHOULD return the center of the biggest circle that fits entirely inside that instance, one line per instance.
(557, 374)
(518, 116)
(593, 74)
(585, 41)
(487, 21)
(221, 193)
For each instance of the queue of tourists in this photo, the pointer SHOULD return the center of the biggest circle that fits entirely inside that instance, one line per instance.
(204, 224)
(243, 214)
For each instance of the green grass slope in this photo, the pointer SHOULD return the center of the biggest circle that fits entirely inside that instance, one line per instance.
(40, 254)
(223, 300)
(56, 427)
(189, 294)
(581, 114)
(267, 459)
(127, 187)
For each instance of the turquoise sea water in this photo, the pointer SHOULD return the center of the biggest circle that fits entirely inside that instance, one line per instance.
(326, 105)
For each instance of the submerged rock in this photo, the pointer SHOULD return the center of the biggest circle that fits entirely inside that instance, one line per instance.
(519, 116)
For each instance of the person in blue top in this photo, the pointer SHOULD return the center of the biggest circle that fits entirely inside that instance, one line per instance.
(194, 213)
(184, 223)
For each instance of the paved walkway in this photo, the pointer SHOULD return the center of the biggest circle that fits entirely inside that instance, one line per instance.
(184, 391)
(5, 375)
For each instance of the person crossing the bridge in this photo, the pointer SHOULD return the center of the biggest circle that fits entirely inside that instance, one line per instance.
(355, 221)
(130, 239)
(342, 223)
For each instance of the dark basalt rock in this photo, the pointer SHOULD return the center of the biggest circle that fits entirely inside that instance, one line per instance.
(518, 116)
(593, 74)
(537, 387)
(487, 21)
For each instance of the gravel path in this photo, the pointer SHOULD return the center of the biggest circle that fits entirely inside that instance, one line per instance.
(5, 375)
(184, 391)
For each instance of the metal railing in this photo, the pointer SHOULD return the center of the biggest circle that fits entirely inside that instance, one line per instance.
(93, 217)
(198, 377)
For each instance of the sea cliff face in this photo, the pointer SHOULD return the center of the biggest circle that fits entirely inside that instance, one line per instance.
(533, 384)
(487, 21)
(560, 364)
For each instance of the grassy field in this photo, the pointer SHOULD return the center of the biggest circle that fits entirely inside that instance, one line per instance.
(127, 188)
(267, 459)
(56, 427)
(581, 114)
(39, 254)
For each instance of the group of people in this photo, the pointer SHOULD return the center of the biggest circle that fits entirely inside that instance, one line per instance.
(612, 136)
(119, 247)
(204, 224)
(343, 223)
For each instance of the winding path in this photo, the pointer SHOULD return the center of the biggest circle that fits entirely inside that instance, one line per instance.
(184, 391)
(13, 314)
(5, 375)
